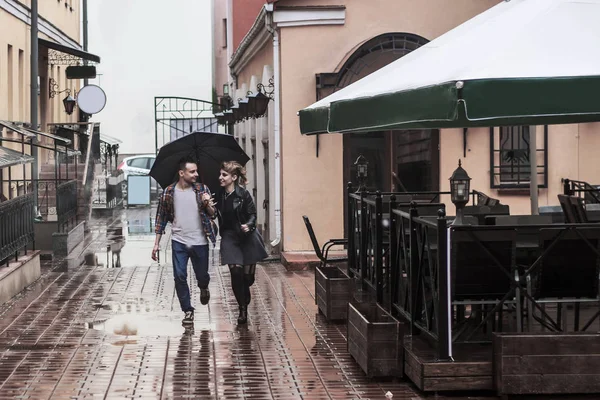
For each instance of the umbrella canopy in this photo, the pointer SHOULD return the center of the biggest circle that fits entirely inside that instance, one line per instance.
(208, 149)
(520, 62)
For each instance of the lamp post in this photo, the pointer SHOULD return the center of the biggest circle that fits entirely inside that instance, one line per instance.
(362, 167)
(460, 187)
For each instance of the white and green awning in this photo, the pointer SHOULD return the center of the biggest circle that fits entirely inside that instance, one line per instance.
(520, 62)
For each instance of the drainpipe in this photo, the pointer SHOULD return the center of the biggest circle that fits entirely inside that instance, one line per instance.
(276, 121)
(34, 70)
(85, 35)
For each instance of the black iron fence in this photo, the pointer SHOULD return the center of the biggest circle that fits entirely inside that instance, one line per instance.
(590, 193)
(66, 204)
(16, 225)
(460, 283)
(107, 192)
(57, 199)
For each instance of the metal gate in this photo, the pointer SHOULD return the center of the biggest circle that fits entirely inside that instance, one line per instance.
(175, 117)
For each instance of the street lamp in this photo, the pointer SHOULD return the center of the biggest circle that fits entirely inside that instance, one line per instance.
(362, 166)
(460, 185)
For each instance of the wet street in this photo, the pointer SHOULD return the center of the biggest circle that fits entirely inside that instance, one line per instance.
(111, 329)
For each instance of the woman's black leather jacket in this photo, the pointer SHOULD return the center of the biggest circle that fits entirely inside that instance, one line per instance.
(243, 206)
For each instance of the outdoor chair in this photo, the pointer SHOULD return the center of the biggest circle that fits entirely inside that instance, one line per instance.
(567, 272)
(323, 252)
(567, 209)
(578, 209)
(484, 274)
(482, 211)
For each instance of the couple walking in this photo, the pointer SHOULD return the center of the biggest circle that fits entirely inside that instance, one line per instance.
(190, 208)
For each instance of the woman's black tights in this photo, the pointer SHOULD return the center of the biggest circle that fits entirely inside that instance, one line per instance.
(242, 277)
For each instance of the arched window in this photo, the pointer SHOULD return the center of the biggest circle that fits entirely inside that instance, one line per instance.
(369, 57)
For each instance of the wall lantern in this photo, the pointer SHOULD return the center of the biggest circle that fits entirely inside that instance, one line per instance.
(69, 102)
(229, 118)
(220, 118)
(460, 188)
(258, 104)
(243, 109)
(237, 115)
(362, 166)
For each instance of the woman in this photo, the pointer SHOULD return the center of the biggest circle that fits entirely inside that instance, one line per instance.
(241, 245)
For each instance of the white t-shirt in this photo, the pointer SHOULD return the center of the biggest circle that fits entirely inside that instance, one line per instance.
(187, 226)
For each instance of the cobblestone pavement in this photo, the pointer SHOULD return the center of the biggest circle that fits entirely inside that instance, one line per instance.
(111, 329)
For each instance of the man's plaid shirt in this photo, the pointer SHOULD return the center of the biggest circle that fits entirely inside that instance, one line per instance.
(166, 211)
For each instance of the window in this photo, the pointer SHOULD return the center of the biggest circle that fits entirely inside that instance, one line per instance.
(141, 162)
(511, 166)
(224, 33)
(10, 82)
(22, 87)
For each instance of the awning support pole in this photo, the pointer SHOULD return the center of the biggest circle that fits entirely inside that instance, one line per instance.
(533, 176)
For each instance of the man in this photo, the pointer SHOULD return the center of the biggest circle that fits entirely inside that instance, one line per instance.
(189, 207)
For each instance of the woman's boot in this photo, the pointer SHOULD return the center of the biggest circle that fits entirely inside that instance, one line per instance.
(243, 317)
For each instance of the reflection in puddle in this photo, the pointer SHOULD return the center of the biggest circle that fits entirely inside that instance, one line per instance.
(145, 325)
(139, 325)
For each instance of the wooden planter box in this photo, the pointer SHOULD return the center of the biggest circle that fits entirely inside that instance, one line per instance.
(547, 363)
(375, 340)
(332, 292)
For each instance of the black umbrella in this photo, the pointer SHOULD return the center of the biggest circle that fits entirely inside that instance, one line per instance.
(208, 149)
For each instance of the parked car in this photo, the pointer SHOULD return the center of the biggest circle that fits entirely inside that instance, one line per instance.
(138, 165)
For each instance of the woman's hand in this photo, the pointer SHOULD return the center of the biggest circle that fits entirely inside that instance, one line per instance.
(245, 228)
(206, 199)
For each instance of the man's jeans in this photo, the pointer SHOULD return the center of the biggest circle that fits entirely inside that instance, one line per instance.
(181, 255)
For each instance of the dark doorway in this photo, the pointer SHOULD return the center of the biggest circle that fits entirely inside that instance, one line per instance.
(374, 147)
(416, 160)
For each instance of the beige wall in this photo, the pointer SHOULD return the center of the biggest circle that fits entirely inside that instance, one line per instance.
(256, 66)
(572, 153)
(311, 185)
(220, 53)
(61, 16)
(15, 71)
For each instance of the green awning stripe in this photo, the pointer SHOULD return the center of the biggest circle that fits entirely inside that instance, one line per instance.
(433, 104)
(483, 102)
(566, 97)
(314, 120)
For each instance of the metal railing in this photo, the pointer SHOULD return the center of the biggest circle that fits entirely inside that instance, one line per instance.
(589, 193)
(16, 225)
(57, 198)
(107, 192)
(66, 204)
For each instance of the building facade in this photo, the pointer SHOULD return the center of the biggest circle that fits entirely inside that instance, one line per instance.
(59, 46)
(302, 51)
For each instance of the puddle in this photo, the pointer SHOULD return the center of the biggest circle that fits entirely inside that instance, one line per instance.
(140, 325)
(151, 325)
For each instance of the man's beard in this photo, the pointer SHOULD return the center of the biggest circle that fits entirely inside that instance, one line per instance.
(190, 181)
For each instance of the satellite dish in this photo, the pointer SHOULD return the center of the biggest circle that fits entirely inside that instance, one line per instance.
(91, 99)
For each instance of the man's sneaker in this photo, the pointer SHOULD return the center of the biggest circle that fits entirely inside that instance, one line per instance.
(189, 318)
(204, 296)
